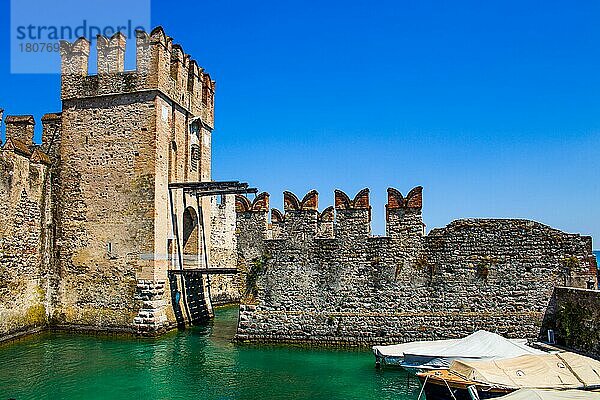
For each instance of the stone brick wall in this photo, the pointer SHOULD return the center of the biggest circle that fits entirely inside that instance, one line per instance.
(20, 127)
(106, 209)
(160, 66)
(127, 135)
(356, 289)
(574, 316)
(108, 225)
(25, 232)
(251, 227)
(224, 289)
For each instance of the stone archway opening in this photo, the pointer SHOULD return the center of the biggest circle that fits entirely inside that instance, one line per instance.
(190, 300)
(190, 279)
(191, 228)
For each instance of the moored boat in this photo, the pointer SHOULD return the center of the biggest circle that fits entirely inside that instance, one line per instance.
(445, 385)
(472, 380)
(437, 354)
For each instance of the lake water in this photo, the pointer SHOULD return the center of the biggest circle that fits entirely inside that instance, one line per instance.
(199, 363)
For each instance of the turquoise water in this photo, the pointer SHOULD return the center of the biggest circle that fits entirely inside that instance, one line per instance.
(597, 253)
(199, 363)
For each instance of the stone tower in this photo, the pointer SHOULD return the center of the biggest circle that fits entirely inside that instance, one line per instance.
(127, 135)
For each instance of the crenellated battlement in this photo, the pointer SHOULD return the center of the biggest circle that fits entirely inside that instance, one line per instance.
(19, 138)
(348, 217)
(111, 53)
(414, 199)
(20, 127)
(326, 280)
(360, 201)
(259, 204)
(309, 202)
(74, 57)
(403, 214)
(109, 159)
(161, 65)
(51, 133)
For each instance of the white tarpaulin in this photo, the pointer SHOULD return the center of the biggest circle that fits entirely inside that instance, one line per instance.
(556, 371)
(531, 394)
(481, 345)
(398, 350)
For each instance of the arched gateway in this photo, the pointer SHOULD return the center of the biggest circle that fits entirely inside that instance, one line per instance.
(189, 276)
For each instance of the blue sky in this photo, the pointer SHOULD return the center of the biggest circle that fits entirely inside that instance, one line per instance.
(493, 108)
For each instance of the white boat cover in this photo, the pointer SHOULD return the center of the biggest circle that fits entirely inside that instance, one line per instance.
(481, 345)
(547, 371)
(537, 394)
(398, 350)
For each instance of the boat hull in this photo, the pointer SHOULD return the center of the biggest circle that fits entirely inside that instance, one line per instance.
(437, 392)
(388, 361)
(444, 385)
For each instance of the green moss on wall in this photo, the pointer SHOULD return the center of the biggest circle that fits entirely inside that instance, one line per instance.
(257, 269)
(575, 324)
(35, 315)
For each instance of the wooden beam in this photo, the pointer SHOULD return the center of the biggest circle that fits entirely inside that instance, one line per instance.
(206, 271)
(213, 188)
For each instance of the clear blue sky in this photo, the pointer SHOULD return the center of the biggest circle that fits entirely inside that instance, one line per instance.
(494, 109)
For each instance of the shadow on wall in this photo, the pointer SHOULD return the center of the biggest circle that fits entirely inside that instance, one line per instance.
(572, 315)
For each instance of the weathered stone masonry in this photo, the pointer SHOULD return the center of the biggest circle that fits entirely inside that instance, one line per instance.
(574, 316)
(224, 289)
(92, 220)
(125, 136)
(91, 226)
(326, 280)
(25, 228)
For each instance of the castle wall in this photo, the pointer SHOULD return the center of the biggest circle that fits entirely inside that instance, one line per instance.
(108, 226)
(573, 316)
(106, 208)
(91, 228)
(355, 289)
(161, 66)
(252, 229)
(25, 241)
(127, 135)
(224, 289)
(20, 127)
